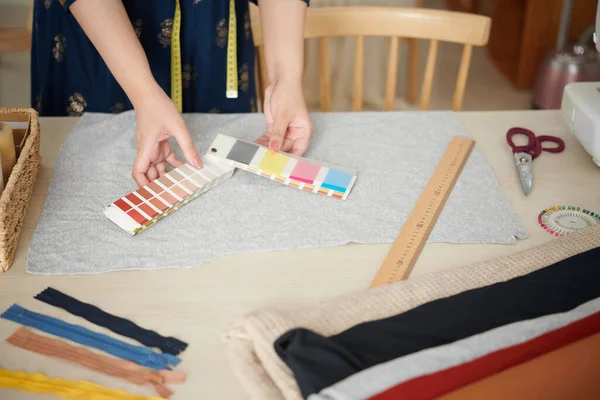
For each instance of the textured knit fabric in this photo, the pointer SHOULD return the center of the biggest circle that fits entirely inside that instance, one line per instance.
(68, 76)
(318, 361)
(63, 244)
(571, 372)
(433, 385)
(381, 377)
(249, 342)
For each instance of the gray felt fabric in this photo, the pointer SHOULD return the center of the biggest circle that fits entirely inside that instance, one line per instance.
(395, 154)
(374, 380)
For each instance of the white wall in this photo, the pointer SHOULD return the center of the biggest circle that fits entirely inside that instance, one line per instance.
(15, 2)
(13, 13)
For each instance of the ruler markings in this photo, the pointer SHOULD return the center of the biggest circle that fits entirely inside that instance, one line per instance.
(410, 242)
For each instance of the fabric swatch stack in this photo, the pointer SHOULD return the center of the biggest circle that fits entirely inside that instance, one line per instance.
(137, 364)
(524, 326)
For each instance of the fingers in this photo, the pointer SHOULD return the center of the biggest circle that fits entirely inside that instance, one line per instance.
(300, 146)
(161, 168)
(287, 145)
(140, 167)
(263, 140)
(152, 173)
(184, 139)
(280, 126)
(173, 160)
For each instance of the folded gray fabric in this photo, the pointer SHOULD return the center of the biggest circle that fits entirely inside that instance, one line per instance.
(379, 378)
(395, 155)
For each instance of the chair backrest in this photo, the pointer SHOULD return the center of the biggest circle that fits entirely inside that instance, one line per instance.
(398, 23)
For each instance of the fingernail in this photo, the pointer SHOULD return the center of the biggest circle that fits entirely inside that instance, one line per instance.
(274, 145)
(197, 162)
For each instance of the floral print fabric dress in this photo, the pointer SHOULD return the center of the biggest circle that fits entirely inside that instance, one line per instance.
(68, 76)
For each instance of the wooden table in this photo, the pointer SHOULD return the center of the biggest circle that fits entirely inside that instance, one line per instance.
(196, 305)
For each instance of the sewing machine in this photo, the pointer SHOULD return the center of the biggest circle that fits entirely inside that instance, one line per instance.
(581, 107)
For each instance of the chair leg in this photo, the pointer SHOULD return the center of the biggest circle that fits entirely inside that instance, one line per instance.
(412, 71)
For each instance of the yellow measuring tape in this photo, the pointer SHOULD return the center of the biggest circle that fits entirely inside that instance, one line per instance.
(66, 389)
(176, 59)
(231, 90)
(232, 77)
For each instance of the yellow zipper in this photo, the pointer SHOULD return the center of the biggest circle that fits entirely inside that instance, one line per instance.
(66, 389)
(231, 89)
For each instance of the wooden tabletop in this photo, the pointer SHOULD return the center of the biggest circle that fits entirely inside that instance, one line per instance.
(196, 305)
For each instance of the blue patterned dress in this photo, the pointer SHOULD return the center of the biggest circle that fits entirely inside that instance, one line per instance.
(68, 76)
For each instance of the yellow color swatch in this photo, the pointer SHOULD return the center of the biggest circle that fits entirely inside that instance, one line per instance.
(273, 162)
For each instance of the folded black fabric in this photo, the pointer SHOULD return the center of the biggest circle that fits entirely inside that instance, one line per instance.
(318, 362)
(118, 325)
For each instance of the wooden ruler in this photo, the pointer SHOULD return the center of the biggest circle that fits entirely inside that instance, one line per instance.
(408, 245)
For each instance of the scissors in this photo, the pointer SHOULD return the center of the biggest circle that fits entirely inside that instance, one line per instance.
(524, 155)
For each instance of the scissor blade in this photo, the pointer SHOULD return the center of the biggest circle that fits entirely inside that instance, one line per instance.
(524, 163)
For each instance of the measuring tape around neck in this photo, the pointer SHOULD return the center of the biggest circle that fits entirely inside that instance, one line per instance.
(410, 242)
(232, 69)
(176, 89)
(231, 89)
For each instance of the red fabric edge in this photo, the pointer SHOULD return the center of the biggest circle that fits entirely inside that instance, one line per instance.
(444, 381)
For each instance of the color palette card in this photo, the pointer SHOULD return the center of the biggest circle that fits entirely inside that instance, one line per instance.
(143, 208)
(297, 172)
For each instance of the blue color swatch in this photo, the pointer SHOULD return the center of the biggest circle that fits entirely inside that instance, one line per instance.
(337, 180)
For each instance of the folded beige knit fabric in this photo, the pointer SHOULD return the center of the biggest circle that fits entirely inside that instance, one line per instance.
(249, 342)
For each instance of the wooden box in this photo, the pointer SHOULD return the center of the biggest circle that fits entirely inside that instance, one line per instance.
(16, 196)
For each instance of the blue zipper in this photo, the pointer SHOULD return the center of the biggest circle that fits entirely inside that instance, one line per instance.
(137, 354)
(118, 325)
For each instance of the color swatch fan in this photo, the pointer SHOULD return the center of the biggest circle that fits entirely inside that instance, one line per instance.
(144, 207)
(297, 172)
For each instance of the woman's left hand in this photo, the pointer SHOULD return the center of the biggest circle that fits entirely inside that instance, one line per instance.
(288, 124)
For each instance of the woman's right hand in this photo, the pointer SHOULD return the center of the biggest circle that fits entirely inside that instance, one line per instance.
(157, 120)
(108, 27)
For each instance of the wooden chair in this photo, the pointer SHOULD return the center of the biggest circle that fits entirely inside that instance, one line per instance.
(14, 40)
(406, 23)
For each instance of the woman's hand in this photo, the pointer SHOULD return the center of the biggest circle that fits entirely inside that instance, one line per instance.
(108, 27)
(157, 121)
(288, 124)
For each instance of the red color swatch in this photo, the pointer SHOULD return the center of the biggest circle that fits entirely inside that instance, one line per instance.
(122, 204)
(137, 217)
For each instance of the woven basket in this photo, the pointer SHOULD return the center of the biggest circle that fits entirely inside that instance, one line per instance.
(15, 198)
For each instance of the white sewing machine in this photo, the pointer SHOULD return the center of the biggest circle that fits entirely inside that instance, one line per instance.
(581, 108)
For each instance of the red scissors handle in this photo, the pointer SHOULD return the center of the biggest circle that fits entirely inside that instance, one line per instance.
(560, 145)
(534, 144)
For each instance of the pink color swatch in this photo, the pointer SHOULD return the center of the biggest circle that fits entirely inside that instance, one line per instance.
(305, 172)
